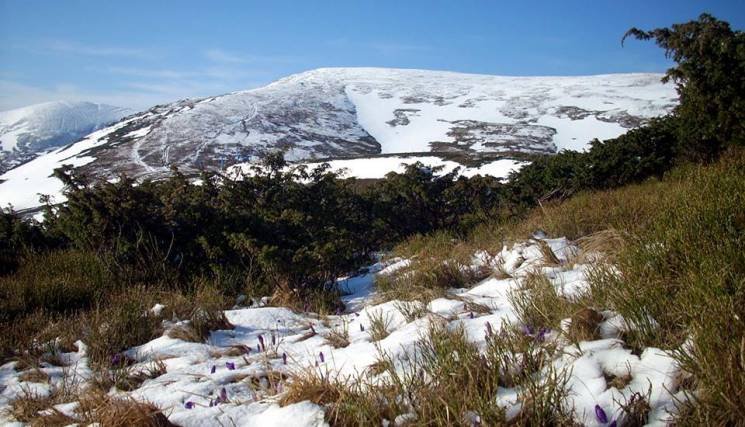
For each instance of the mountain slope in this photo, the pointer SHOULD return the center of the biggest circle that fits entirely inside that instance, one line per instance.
(27, 131)
(362, 113)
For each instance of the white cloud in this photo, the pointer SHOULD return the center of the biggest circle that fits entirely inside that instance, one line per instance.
(386, 48)
(226, 57)
(135, 95)
(219, 55)
(390, 49)
(126, 76)
(66, 46)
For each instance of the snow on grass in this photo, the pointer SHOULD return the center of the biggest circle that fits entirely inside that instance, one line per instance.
(237, 376)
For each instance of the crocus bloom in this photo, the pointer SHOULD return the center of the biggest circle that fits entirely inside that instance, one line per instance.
(320, 355)
(284, 358)
(362, 328)
(470, 315)
(600, 414)
(189, 405)
(230, 366)
(116, 359)
(612, 424)
(223, 394)
(274, 340)
(213, 369)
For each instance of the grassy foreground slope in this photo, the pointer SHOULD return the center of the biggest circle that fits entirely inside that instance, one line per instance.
(671, 262)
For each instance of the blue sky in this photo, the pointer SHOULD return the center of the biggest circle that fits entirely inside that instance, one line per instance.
(139, 53)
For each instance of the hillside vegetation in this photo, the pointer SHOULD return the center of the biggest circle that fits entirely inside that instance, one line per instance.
(659, 213)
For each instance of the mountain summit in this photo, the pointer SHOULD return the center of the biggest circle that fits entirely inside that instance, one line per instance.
(334, 113)
(26, 132)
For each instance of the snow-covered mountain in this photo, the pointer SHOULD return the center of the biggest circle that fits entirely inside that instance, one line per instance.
(26, 132)
(337, 113)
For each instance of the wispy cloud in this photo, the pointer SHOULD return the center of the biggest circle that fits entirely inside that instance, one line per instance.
(219, 55)
(390, 49)
(136, 95)
(75, 48)
(223, 56)
(136, 77)
(385, 48)
(150, 73)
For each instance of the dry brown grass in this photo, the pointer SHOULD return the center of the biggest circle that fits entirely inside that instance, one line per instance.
(628, 208)
(585, 325)
(34, 376)
(338, 337)
(380, 325)
(309, 385)
(27, 405)
(98, 407)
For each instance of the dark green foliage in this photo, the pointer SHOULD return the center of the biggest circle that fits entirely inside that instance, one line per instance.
(547, 177)
(648, 151)
(710, 78)
(18, 238)
(290, 227)
(419, 200)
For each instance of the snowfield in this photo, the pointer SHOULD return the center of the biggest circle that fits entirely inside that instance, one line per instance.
(210, 384)
(378, 167)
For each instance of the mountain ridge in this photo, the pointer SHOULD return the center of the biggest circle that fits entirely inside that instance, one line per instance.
(342, 113)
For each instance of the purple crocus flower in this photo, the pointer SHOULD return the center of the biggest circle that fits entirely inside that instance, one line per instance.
(213, 369)
(223, 395)
(212, 403)
(274, 340)
(612, 424)
(470, 315)
(600, 414)
(320, 355)
(284, 358)
(116, 359)
(230, 366)
(362, 328)
(489, 330)
(189, 405)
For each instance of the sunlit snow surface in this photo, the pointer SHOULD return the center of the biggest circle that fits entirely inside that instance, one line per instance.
(300, 336)
(378, 167)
